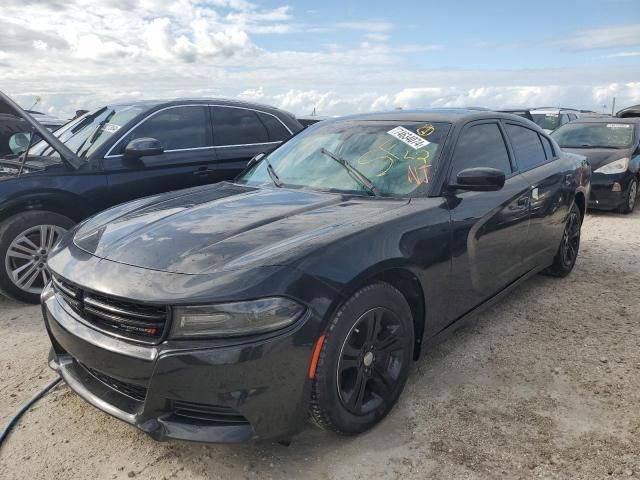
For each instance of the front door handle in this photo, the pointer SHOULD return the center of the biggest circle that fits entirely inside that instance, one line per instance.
(202, 172)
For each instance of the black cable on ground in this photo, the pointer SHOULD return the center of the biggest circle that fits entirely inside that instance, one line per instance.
(12, 422)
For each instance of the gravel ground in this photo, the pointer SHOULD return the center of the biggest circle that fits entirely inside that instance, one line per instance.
(546, 384)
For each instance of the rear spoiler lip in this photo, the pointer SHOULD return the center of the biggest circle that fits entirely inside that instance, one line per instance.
(65, 153)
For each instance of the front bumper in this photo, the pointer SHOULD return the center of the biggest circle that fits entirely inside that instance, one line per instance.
(602, 196)
(207, 391)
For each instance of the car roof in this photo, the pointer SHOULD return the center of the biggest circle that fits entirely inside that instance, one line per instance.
(449, 115)
(556, 109)
(635, 120)
(633, 111)
(203, 100)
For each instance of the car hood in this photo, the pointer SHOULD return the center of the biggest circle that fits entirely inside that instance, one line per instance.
(221, 227)
(597, 157)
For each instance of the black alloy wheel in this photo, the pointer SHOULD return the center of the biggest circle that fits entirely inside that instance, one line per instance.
(571, 239)
(371, 361)
(567, 255)
(364, 361)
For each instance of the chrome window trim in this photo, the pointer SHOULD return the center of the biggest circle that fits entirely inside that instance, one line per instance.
(109, 155)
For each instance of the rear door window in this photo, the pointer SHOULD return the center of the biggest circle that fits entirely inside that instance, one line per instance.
(481, 145)
(237, 126)
(526, 145)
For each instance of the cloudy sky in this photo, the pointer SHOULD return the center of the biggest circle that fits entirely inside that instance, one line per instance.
(335, 56)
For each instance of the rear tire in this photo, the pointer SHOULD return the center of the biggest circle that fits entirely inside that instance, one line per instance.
(25, 242)
(567, 254)
(630, 198)
(364, 361)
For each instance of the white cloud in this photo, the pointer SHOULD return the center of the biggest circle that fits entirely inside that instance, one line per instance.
(40, 45)
(377, 37)
(622, 54)
(366, 26)
(118, 50)
(605, 37)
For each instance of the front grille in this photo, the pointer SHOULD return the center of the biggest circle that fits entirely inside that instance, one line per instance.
(70, 294)
(215, 414)
(136, 321)
(131, 390)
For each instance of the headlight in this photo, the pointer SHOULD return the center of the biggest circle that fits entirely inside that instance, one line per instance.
(235, 319)
(618, 166)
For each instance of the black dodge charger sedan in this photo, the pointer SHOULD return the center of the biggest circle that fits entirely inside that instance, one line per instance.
(305, 288)
(112, 155)
(612, 147)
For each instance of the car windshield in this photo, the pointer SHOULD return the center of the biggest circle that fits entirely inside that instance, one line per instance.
(594, 135)
(86, 134)
(546, 121)
(395, 156)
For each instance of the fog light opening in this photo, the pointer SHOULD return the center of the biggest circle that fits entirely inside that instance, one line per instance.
(616, 187)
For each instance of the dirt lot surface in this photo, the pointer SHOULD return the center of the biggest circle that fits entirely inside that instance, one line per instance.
(544, 385)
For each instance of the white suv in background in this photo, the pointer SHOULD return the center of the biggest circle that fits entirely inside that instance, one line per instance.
(550, 118)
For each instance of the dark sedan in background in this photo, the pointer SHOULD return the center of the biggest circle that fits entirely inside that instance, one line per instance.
(112, 155)
(237, 311)
(612, 147)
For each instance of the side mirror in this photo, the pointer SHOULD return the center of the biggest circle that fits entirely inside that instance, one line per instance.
(256, 159)
(142, 147)
(479, 179)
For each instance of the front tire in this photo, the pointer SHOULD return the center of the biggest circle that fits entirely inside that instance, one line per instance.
(364, 361)
(25, 242)
(630, 200)
(567, 254)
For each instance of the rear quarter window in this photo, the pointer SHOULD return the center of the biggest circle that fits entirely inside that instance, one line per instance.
(275, 129)
(527, 146)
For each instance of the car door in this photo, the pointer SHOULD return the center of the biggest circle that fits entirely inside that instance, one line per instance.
(188, 159)
(489, 229)
(241, 133)
(540, 165)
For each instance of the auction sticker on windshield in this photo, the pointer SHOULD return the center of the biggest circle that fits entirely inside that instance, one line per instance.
(408, 137)
(618, 125)
(110, 127)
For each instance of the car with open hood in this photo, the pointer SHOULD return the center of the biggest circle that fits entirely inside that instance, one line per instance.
(15, 132)
(612, 147)
(305, 288)
(120, 152)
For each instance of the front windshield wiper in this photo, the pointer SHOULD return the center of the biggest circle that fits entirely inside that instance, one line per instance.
(272, 173)
(353, 171)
